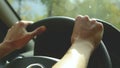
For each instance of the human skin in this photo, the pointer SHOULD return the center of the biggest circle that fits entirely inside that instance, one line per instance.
(85, 38)
(17, 36)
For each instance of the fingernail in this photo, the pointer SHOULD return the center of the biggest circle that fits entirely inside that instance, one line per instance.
(43, 28)
(79, 17)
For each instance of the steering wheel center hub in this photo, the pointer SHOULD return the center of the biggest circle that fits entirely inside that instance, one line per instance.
(35, 65)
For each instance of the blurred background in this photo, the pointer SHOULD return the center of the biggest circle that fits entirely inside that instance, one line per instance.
(34, 10)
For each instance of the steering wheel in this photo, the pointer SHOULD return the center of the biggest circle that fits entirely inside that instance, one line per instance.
(55, 42)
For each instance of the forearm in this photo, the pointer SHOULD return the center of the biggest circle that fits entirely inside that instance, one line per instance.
(5, 49)
(77, 56)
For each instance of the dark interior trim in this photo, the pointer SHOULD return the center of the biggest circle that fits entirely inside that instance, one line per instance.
(13, 10)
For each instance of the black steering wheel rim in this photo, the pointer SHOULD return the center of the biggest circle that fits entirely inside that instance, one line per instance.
(105, 59)
(32, 62)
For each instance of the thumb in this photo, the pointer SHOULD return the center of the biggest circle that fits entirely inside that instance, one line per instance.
(38, 30)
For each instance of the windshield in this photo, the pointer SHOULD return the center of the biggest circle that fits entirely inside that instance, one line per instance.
(107, 10)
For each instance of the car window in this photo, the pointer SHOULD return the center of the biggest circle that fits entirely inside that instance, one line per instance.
(108, 10)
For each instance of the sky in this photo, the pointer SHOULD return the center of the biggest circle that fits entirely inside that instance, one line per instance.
(33, 7)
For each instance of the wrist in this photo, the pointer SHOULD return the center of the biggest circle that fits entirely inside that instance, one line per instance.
(9, 45)
(83, 43)
(83, 46)
(6, 48)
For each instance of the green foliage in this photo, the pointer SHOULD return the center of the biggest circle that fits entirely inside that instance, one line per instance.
(108, 10)
(101, 9)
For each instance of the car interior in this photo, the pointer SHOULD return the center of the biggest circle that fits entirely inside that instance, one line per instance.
(49, 48)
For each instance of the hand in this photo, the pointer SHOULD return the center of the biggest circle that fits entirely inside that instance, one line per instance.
(18, 36)
(86, 29)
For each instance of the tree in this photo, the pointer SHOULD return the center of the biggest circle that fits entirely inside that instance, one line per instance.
(108, 10)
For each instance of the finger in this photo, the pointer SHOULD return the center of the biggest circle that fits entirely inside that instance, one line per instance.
(86, 17)
(93, 21)
(86, 20)
(100, 26)
(78, 17)
(38, 30)
(24, 23)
